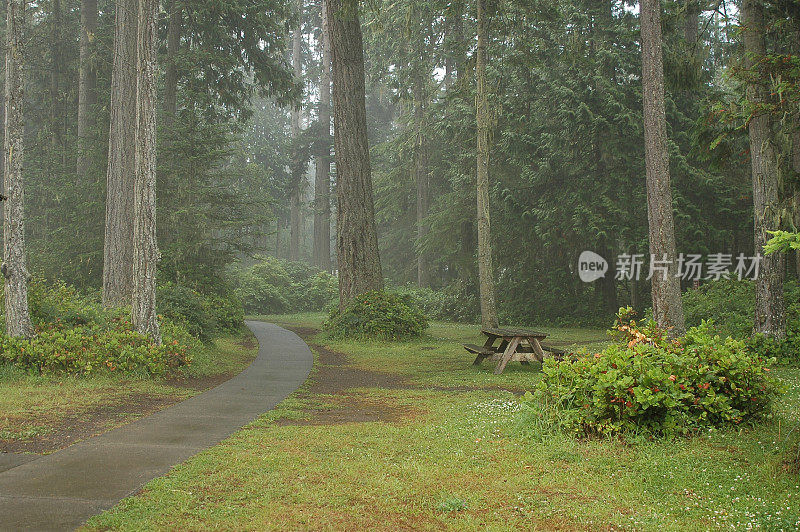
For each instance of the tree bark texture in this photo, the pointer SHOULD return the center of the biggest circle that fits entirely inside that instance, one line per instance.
(118, 248)
(322, 178)
(667, 305)
(485, 270)
(171, 74)
(770, 318)
(454, 59)
(796, 169)
(691, 23)
(15, 271)
(295, 217)
(87, 86)
(56, 24)
(422, 179)
(145, 247)
(356, 239)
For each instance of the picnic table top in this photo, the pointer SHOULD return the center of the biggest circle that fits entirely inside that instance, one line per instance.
(513, 332)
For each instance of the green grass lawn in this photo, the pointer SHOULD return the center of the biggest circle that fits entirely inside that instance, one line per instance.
(451, 457)
(44, 413)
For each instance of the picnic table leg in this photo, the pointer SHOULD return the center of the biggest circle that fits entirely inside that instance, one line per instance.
(507, 355)
(537, 348)
(488, 344)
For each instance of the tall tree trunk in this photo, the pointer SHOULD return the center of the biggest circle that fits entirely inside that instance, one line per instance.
(294, 224)
(796, 169)
(454, 59)
(87, 86)
(118, 248)
(796, 215)
(356, 239)
(322, 179)
(56, 44)
(608, 287)
(278, 237)
(485, 270)
(145, 246)
(691, 22)
(602, 35)
(171, 75)
(667, 305)
(796, 192)
(15, 271)
(770, 316)
(297, 171)
(422, 179)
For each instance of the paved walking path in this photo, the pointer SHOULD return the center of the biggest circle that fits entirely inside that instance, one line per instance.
(62, 490)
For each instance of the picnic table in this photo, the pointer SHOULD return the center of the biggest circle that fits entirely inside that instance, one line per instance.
(515, 344)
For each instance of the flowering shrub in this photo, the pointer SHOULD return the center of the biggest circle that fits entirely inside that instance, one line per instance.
(87, 350)
(652, 385)
(76, 336)
(379, 314)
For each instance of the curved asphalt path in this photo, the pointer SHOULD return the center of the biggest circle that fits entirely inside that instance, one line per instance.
(62, 490)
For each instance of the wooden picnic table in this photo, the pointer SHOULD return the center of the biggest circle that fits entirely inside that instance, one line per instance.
(514, 343)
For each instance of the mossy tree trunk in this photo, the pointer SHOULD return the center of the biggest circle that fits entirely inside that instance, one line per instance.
(485, 269)
(118, 247)
(87, 85)
(666, 289)
(356, 239)
(15, 271)
(770, 318)
(295, 216)
(145, 248)
(322, 178)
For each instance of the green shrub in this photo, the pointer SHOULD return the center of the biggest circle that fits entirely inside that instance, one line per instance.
(730, 304)
(653, 386)
(320, 291)
(260, 297)
(227, 312)
(378, 315)
(272, 271)
(59, 302)
(88, 350)
(204, 316)
(186, 306)
(76, 336)
(273, 286)
(299, 272)
(453, 303)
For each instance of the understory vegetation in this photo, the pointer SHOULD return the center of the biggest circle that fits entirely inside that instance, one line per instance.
(75, 335)
(730, 306)
(378, 315)
(273, 286)
(652, 386)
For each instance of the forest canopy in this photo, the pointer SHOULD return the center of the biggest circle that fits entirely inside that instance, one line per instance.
(245, 155)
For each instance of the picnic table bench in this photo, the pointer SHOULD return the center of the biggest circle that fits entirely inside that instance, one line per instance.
(515, 344)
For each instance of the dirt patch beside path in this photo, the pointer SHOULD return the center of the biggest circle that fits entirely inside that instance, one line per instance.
(65, 429)
(64, 432)
(335, 380)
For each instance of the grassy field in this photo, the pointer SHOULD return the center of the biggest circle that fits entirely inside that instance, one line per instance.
(409, 435)
(44, 413)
